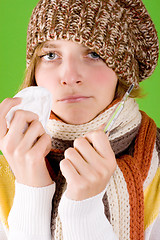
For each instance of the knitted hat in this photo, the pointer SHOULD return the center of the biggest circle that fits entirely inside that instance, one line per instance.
(120, 31)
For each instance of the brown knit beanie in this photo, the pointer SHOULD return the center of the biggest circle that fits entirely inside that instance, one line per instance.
(120, 31)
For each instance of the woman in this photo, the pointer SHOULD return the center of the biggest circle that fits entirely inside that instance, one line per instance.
(86, 184)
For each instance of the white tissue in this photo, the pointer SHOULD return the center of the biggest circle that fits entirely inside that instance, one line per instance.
(35, 99)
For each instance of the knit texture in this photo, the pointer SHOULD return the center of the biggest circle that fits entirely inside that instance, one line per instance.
(64, 134)
(129, 118)
(123, 200)
(135, 170)
(120, 31)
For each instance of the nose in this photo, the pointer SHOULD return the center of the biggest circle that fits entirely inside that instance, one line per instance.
(70, 72)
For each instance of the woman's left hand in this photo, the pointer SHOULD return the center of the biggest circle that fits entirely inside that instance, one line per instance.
(88, 166)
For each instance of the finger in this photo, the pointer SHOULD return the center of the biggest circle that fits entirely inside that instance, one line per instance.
(32, 134)
(87, 151)
(5, 106)
(36, 164)
(69, 172)
(77, 161)
(41, 148)
(97, 164)
(102, 146)
(20, 119)
(100, 142)
(88, 169)
(101, 127)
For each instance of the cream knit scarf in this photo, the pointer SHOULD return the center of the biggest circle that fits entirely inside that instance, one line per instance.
(122, 134)
(129, 118)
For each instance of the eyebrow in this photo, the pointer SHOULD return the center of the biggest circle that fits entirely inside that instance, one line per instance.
(49, 45)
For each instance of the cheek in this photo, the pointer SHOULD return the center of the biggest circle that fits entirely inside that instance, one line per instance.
(104, 77)
(44, 78)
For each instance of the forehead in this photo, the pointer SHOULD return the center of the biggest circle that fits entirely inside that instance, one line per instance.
(63, 43)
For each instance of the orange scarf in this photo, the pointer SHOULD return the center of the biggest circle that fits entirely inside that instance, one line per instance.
(135, 170)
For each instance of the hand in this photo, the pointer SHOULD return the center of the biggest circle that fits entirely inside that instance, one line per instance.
(88, 168)
(25, 151)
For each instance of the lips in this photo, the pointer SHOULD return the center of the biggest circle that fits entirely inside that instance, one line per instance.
(77, 98)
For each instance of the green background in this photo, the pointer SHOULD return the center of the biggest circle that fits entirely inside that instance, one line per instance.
(14, 18)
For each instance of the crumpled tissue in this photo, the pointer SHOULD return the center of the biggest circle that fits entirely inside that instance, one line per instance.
(35, 99)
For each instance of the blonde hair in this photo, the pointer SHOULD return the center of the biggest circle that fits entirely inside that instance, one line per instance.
(29, 79)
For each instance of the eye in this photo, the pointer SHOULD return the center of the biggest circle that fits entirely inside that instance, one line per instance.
(49, 56)
(94, 55)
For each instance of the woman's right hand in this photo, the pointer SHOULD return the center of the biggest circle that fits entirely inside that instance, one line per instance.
(25, 151)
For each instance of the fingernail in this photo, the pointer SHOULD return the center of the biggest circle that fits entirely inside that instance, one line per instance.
(107, 134)
(102, 126)
(18, 98)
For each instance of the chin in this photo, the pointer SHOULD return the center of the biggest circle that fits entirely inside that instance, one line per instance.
(76, 119)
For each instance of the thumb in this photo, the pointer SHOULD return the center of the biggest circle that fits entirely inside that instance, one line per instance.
(102, 127)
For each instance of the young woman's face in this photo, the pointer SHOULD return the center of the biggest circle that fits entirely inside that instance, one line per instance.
(81, 83)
